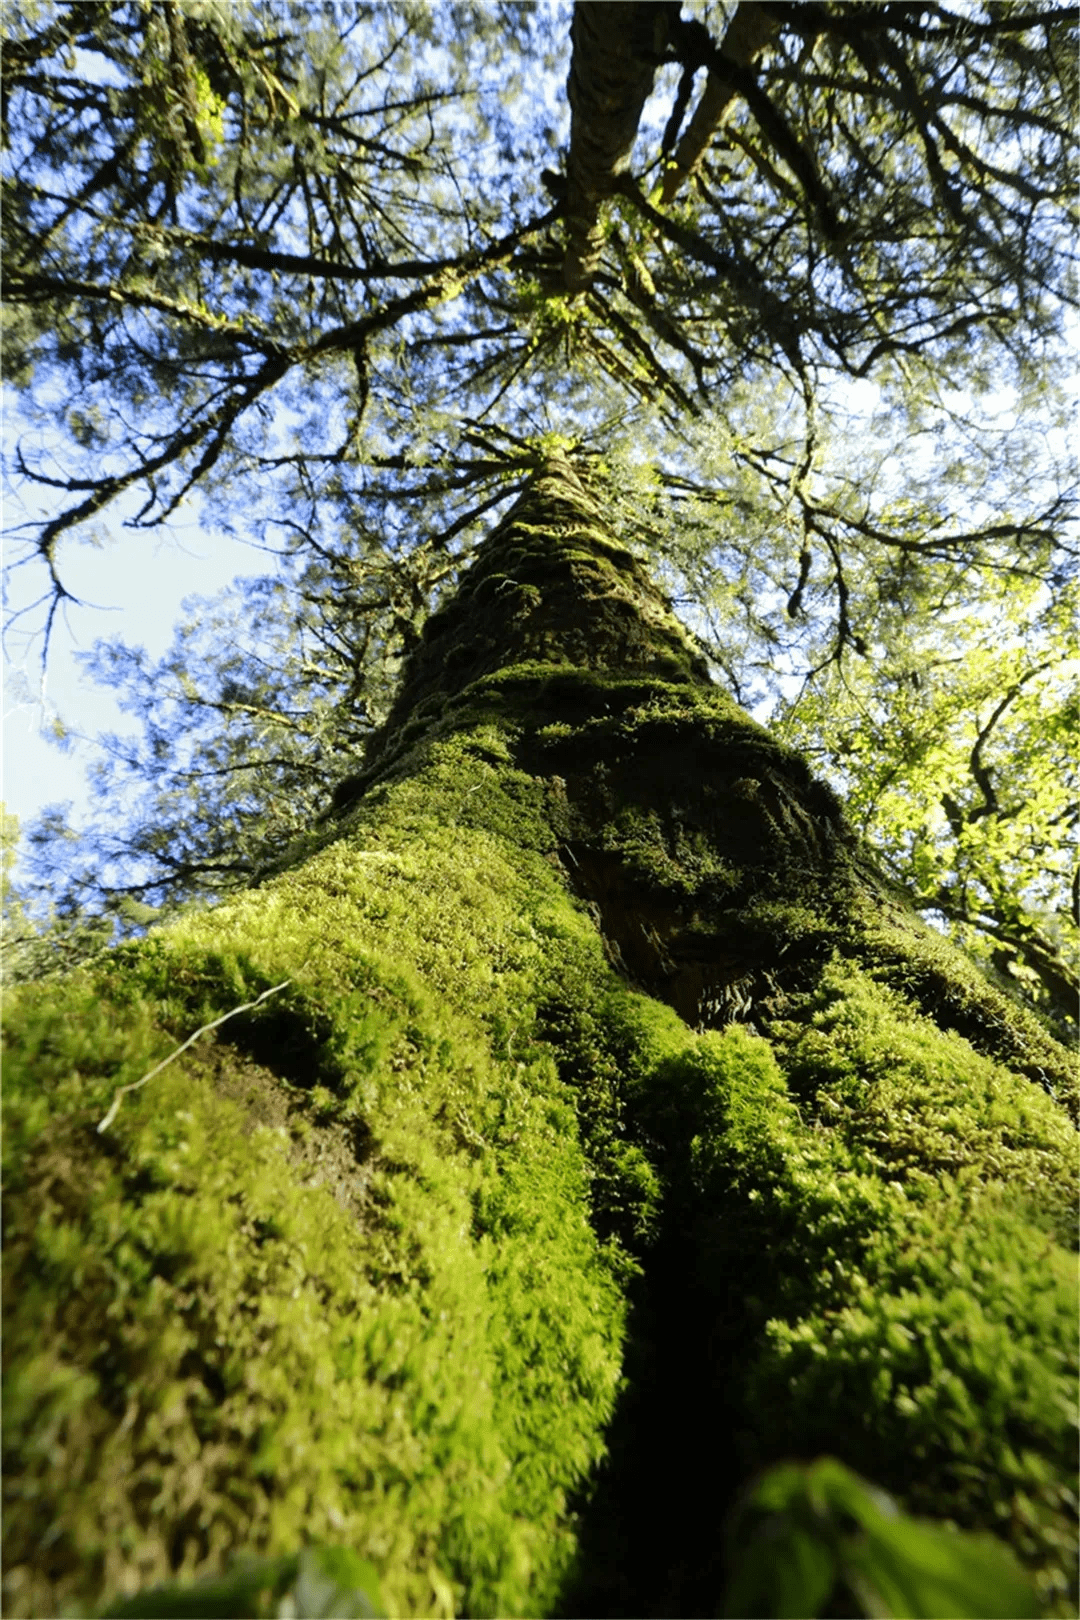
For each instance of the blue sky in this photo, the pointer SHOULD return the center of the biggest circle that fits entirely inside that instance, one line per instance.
(131, 586)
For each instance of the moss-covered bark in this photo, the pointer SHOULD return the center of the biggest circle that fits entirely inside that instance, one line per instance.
(604, 1051)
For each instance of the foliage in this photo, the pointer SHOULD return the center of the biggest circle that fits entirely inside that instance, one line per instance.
(890, 146)
(39, 941)
(310, 260)
(320, 1581)
(193, 276)
(802, 1530)
(956, 755)
(264, 701)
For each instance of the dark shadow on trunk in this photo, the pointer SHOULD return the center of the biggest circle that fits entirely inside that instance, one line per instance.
(651, 1533)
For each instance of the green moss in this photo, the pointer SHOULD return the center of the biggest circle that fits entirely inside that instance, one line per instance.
(909, 1100)
(915, 1201)
(218, 1351)
(906, 955)
(676, 860)
(355, 1268)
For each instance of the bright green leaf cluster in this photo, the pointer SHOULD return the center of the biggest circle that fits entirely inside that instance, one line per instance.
(803, 1531)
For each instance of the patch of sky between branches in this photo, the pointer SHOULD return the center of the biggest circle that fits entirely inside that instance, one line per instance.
(130, 584)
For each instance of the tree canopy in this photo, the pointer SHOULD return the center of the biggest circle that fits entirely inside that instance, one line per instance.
(794, 279)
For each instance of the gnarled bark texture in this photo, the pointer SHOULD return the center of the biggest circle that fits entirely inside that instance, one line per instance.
(605, 1053)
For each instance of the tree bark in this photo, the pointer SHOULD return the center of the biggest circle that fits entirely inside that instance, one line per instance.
(616, 51)
(617, 48)
(751, 29)
(605, 1049)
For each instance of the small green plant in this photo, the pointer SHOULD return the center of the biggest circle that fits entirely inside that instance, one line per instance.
(806, 1535)
(319, 1582)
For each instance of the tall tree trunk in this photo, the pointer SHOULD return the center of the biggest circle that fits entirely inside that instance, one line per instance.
(617, 47)
(594, 1007)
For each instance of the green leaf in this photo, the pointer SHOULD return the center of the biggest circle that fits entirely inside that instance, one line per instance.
(927, 1570)
(320, 1583)
(248, 1590)
(334, 1583)
(805, 1528)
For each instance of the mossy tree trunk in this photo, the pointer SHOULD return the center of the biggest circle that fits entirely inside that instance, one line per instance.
(605, 1052)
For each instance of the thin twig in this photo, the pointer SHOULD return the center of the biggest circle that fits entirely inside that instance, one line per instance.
(247, 1006)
